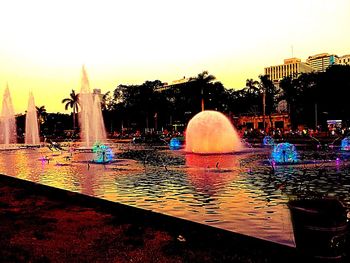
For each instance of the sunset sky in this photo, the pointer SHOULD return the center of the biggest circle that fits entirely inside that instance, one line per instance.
(43, 44)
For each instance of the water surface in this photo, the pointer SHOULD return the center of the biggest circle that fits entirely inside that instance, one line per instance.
(236, 192)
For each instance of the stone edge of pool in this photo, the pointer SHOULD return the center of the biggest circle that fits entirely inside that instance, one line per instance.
(182, 226)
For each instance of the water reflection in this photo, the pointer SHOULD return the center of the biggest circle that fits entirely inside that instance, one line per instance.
(210, 173)
(236, 192)
(213, 160)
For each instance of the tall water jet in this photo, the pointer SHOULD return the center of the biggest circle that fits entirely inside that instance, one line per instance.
(91, 122)
(8, 130)
(32, 125)
(211, 132)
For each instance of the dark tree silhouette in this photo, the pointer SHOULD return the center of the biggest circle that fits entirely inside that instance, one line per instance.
(72, 102)
(42, 114)
(201, 85)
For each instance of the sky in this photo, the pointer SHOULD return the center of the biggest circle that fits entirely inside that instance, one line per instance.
(44, 44)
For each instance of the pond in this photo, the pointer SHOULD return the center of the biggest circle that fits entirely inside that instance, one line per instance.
(238, 192)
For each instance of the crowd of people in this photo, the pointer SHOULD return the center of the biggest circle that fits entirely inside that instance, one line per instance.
(303, 132)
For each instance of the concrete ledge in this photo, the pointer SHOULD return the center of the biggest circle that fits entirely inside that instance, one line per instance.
(192, 232)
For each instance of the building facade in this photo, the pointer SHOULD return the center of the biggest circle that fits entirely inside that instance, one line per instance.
(173, 84)
(273, 121)
(291, 67)
(321, 62)
(344, 60)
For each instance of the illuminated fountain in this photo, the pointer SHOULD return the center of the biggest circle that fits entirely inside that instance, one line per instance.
(345, 144)
(91, 122)
(211, 132)
(175, 143)
(268, 141)
(32, 125)
(103, 153)
(284, 153)
(8, 122)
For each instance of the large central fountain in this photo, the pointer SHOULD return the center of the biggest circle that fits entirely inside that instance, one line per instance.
(211, 132)
(91, 122)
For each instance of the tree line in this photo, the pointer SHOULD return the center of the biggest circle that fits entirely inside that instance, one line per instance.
(310, 97)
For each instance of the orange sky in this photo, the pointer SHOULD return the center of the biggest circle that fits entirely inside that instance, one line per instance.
(43, 44)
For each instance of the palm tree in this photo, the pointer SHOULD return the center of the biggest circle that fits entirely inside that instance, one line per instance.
(72, 102)
(105, 101)
(269, 92)
(41, 112)
(252, 86)
(203, 80)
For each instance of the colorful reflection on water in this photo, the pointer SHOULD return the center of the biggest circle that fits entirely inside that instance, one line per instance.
(235, 192)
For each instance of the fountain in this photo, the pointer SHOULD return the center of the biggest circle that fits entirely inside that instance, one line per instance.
(91, 122)
(103, 153)
(32, 126)
(345, 144)
(8, 122)
(175, 143)
(211, 132)
(234, 192)
(268, 141)
(284, 153)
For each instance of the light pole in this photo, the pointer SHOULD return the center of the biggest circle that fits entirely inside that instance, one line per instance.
(156, 122)
(202, 99)
(264, 106)
(316, 124)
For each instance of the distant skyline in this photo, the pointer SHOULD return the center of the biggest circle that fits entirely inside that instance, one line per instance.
(43, 44)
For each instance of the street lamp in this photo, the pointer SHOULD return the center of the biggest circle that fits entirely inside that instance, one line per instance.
(264, 105)
(202, 99)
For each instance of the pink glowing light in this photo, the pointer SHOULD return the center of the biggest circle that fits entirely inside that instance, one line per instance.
(337, 161)
(211, 132)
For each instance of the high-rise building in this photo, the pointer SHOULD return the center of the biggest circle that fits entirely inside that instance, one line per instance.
(291, 67)
(321, 62)
(344, 60)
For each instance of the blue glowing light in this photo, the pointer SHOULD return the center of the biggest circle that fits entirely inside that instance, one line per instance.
(175, 143)
(103, 153)
(284, 153)
(345, 144)
(268, 141)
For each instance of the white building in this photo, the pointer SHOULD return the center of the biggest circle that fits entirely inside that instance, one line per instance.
(291, 67)
(344, 60)
(321, 62)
